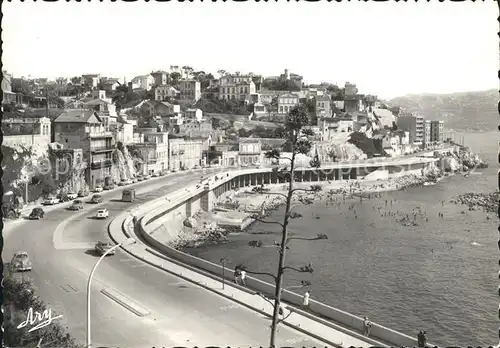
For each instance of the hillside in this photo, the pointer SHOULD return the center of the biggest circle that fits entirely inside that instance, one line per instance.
(468, 111)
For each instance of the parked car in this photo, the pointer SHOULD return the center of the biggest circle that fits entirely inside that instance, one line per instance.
(21, 262)
(98, 189)
(122, 183)
(96, 199)
(102, 214)
(62, 197)
(128, 182)
(37, 214)
(147, 177)
(163, 172)
(140, 178)
(83, 193)
(109, 187)
(156, 174)
(77, 205)
(72, 195)
(102, 247)
(133, 180)
(50, 201)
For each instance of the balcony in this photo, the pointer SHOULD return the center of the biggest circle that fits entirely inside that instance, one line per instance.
(103, 164)
(100, 149)
(101, 135)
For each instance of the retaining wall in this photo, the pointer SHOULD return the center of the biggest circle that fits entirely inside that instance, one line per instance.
(164, 219)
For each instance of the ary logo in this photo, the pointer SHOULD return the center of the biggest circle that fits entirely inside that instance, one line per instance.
(38, 320)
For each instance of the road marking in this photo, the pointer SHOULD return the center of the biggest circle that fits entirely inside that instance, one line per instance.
(121, 299)
(228, 307)
(75, 246)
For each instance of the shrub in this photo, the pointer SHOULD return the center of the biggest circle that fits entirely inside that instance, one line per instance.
(18, 296)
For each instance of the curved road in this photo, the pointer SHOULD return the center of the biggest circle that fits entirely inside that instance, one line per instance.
(181, 312)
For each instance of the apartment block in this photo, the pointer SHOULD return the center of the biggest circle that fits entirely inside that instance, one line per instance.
(415, 125)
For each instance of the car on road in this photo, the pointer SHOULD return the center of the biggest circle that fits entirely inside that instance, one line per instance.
(140, 178)
(21, 262)
(72, 195)
(77, 205)
(98, 189)
(109, 187)
(133, 180)
(83, 193)
(102, 214)
(37, 214)
(101, 247)
(147, 177)
(96, 199)
(156, 174)
(50, 201)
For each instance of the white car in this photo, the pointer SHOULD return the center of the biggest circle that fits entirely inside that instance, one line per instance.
(102, 214)
(50, 201)
(98, 189)
(72, 195)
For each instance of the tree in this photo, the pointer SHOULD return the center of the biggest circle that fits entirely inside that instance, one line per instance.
(175, 78)
(297, 136)
(19, 296)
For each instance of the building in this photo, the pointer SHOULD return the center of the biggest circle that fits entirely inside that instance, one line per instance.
(164, 92)
(286, 102)
(250, 151)
(396, 143)
(83, 129)
(328, 126)
(189, 90)
(8, 95)
(91, 80)
(323, 108)
(350, 89)
(110, 85)
(26, 132)
(196, 129)
(160, 108)
(153, 152)
(185, 153)
(236, 87)
(194, 115)
(123, 131)
(437, 131)
(415, 125)
(160, 77)
(427, 133)
(145, 82)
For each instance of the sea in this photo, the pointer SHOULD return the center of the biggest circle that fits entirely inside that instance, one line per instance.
(440, 275)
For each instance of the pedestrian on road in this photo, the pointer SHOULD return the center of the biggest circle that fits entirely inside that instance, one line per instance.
(422, 340)
(242, 277)
(305, 299)
(367, 326)
(237, 275)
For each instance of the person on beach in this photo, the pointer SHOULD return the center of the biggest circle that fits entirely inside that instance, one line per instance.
(243, 274)
(305, 299)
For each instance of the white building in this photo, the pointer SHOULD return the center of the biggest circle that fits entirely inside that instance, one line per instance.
(236, 87)
(194, 115)
(145, 82)
(164, 92)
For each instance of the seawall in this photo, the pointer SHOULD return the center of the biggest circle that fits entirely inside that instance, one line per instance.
(161, 226)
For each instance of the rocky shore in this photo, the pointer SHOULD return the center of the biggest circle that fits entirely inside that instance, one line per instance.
(485, 201)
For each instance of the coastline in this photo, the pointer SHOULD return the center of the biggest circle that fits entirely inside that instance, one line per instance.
(235, 209)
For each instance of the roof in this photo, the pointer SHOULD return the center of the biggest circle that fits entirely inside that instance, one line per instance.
(289, 95)
(249, 140)
(96, 102)
(166, 104)
(76, 116)
(322, 98)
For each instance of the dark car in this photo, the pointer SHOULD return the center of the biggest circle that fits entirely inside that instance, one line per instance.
(96, 199)
(83, 193)
(37, 214)
(77, 205)
(102, 247)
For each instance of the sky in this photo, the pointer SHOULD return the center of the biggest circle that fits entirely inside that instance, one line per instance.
(388, 49)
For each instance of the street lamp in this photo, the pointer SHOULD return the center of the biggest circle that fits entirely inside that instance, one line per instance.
(127, 241)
